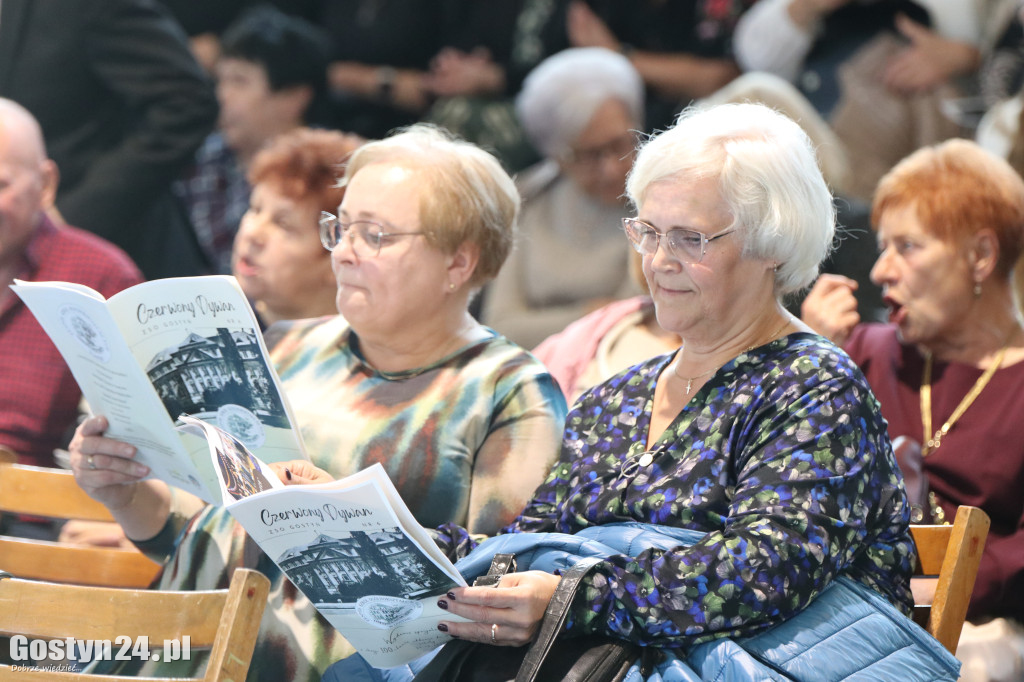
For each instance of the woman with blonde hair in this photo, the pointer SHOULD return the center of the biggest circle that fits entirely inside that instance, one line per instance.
(465, 423)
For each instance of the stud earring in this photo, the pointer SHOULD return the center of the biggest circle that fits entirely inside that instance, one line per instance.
(451, 285)
(977, 290)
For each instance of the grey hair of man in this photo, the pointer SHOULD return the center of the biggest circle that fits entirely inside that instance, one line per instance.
(768, 177)
(562, 94)
(469, 197)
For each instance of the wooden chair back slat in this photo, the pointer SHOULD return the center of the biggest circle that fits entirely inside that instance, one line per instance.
(225, 621)
(948, 557)
(54, 562)
(52, 493)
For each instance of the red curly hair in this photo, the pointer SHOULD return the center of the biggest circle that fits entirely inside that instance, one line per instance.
(306, 162)
(956, 188)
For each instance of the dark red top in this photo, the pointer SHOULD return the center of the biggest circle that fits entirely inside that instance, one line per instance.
(38, 396)
(980, 461)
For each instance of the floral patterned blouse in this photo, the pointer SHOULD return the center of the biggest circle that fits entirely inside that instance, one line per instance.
(781, 458)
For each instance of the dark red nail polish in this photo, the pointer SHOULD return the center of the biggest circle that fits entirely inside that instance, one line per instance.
(442, 627)
(451, 595)
(441, 603)
(288, 474)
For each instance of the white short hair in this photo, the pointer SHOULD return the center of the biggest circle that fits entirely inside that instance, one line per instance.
(562, 94)
(768, 177)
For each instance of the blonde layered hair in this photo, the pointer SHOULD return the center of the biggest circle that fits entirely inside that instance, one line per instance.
(469, 198)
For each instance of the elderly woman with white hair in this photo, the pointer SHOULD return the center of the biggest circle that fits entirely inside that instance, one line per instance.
(757, 434)
(580, 108)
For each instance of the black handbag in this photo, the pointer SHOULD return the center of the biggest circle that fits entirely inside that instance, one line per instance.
(578, 659)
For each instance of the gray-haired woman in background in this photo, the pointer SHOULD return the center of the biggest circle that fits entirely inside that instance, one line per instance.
(580, 108)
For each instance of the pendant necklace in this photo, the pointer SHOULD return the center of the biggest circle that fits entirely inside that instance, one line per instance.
(689, 380)
(932, 442)
(634, 463)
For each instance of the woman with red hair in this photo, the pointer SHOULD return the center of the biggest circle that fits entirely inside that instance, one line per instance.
(277, 257)
(948, 368)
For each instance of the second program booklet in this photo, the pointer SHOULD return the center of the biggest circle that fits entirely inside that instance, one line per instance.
(159, 349)
(351, 546)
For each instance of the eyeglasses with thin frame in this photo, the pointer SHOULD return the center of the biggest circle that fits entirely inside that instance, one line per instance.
(365, 236)
(688, 246)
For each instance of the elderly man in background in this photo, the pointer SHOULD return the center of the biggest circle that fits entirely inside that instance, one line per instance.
(39, 399)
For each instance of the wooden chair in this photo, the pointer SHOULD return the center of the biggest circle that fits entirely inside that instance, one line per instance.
(55, 494)
(224, 621)
(46, 492)
(947, 564)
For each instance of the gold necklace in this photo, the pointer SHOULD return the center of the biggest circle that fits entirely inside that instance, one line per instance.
(689, 380)
(932, 444)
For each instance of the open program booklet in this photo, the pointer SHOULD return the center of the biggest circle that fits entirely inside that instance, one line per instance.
(166, 347)
(351, 546)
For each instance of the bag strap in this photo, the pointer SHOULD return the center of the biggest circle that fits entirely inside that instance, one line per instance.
(449, 663)
(501, 564)
(554, 619)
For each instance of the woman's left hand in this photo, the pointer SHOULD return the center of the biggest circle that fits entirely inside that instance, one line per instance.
(508, 615)
(454, 73)
(830, 308)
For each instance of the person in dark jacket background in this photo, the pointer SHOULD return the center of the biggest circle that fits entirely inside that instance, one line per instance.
(123, 106)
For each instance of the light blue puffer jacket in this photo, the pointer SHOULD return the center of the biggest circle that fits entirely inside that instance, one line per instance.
(849, 633)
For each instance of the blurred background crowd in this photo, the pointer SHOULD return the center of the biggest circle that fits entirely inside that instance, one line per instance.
(153, 111)
(184, 138)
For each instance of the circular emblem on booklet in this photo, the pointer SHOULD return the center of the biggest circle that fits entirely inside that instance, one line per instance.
(242, 424)
(85, 331)
(386, 612)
